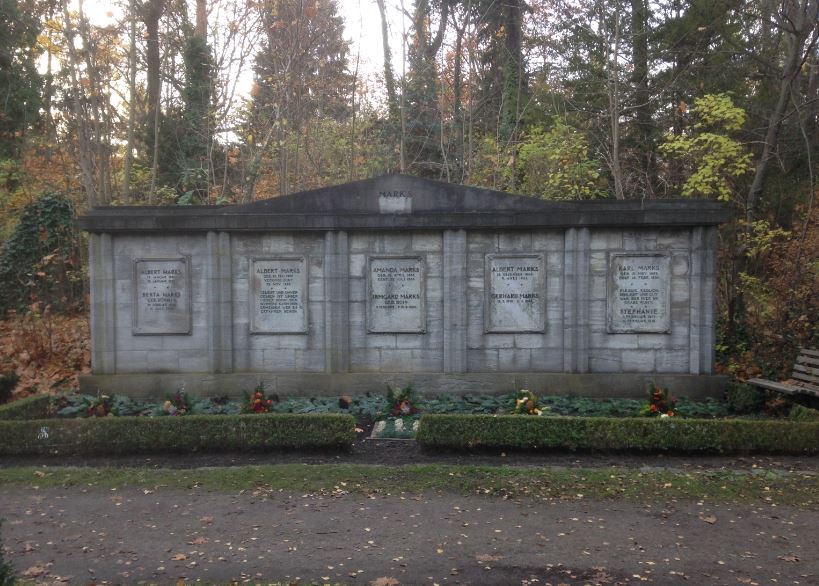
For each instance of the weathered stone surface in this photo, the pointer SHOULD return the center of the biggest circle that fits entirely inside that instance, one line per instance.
(162, 296)
(639, 294)
(515, 290)
(396, 294)
(278, 295)
(438, 320)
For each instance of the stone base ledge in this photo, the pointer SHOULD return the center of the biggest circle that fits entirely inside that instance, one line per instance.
(621, 385)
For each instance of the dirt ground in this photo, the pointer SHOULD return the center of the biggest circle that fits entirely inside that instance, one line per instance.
(92, 535)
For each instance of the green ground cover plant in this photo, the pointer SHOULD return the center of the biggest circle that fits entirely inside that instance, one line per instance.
(604, 433)
(7, 577)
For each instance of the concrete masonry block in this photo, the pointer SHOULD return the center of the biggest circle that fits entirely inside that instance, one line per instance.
(358, 290)
(547, 360)
(548, 241)
(485, 242)
(638, 361)
(499, 340)
(386, 341)
(358, 266)
(276, 359)
(365, 360)
(484, 360)
(529, 341)
(409, 341)
(598, 262)
(672, 361)
(434, 265)
(606, 239)
(604, 361)
(396, 243)
(361, 242)
(277, 243)
(193, 361)
(679, 265)
(427, 241)
(310, 360)
(515, 241)
(428, 360)
(515, 359)
(673, 239)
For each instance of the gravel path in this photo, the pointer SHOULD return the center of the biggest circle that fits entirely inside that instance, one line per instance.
(128, 536)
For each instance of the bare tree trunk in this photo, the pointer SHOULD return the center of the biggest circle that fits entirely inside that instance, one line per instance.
(132, 97)
(614, 108)
(389, 76)
(151, 14)
(642, 96)
(402, 145)
(83, 138)
(799, 24)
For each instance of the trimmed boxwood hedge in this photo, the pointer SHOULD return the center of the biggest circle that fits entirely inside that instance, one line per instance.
(136, 435)
(33, 407)
(602, 433)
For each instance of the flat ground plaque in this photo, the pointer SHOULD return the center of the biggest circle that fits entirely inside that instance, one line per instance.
(515, 291)
(396, 294)
(278, 295)
(639, 293)
(162, 296)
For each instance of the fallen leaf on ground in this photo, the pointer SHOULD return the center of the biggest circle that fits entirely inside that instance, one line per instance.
(385, 581)
(487, 557)
(34, 571)
(789, 558)
(179, 557)
(709, 519)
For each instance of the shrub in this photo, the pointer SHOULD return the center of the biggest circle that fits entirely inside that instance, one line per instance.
(8, 381)
(802, 413)
(6, 570)
(603, 433)
(32, 407)
(744, 398)
(136, 435)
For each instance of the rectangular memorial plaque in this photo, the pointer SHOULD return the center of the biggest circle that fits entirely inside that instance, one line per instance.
(639, 293)
(162, 296)
(396, 294)
(278, 295)
(515, 293)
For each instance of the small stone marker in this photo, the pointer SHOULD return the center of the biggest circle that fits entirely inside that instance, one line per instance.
(639, 295)
(278, 295)
(396, 295)
(515, 288)
(162, 296)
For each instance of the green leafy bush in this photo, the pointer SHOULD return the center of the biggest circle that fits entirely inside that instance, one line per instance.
(6, 570)
(744, 398)
(8, 381)
(34, 407)
(41, 260)
(136, 435)
(603, 433)
(802, 413)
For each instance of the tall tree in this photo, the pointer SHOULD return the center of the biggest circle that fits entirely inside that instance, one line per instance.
(20, 83)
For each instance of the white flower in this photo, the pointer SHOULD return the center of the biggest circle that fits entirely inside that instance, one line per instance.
(664, 415)
(399, 425)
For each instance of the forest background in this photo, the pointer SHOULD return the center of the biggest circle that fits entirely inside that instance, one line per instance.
(226, 101)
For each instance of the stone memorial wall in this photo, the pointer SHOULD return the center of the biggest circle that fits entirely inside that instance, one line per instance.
(401, 280)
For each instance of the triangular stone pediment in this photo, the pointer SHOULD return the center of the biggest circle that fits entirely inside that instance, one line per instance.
(393, 194)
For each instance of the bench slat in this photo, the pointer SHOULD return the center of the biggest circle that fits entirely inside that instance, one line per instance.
(805, 377)
(802, 359)
(810, 352)
(806, 369)
(783, 387)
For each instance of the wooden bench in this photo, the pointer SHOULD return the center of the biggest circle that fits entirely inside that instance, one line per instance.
(804, 378)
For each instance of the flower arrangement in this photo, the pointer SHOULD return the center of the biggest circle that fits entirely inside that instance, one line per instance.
(660, 403)
(401, 402)
(526, 403)
(258, 402)
(99, 406)
(178, 404)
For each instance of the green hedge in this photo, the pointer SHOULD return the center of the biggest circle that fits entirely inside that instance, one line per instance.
(136, 435)
(600, 433)
(33, 407)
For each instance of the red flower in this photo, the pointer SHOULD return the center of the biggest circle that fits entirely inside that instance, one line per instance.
(653, 408)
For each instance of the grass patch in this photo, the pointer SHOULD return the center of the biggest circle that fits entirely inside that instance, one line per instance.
(606, 434)
(785, 488)
(136, 435)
